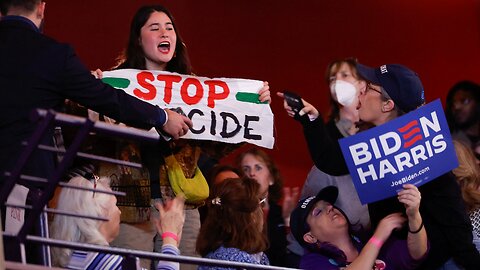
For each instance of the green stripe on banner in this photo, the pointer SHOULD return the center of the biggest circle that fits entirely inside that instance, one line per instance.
(249, 97)
(117, 82)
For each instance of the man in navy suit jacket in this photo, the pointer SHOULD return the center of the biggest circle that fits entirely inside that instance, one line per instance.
(39, 72)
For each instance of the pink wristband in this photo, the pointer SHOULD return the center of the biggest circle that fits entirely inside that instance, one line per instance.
(376, 242)
(171, 235)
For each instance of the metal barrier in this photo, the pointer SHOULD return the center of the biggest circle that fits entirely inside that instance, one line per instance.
(37, 209)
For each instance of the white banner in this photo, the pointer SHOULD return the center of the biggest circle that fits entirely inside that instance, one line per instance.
(222, 109)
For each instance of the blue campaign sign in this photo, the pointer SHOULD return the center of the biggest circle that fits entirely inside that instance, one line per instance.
(414, 148)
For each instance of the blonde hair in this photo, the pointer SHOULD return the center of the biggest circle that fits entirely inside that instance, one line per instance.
(76, 229)
(468, 175)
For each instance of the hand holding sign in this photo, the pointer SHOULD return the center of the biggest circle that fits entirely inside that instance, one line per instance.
(221, 109)
(410, 197)
(415, 148)
(98, 73)
(264, 94)
(177, 124)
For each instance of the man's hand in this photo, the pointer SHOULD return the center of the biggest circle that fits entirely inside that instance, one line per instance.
(177, 124)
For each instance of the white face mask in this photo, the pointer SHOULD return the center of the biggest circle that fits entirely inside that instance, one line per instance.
(344, 92)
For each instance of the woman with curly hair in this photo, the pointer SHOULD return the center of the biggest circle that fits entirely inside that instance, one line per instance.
(468, 177)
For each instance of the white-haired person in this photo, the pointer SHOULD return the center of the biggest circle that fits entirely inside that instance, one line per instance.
(91, 231)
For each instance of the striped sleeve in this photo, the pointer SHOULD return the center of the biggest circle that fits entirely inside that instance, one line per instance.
(82, 260)
(169, 265)
(106, 262)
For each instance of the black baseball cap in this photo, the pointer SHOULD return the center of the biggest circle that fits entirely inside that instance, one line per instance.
(298, 218)
(401, 83)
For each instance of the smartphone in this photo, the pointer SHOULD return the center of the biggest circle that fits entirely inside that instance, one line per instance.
(293, 100)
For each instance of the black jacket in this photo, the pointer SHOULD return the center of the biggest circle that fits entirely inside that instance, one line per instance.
(442, 208)
(39, 72)
(277, 236)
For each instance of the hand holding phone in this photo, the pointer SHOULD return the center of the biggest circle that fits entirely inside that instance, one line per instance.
(293, 100)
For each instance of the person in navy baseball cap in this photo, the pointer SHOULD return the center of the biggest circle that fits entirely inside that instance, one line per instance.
(395, 83)
(298, 217)
(331, 242)
(390, 91)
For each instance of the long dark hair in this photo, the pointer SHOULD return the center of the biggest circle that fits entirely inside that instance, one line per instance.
(134, 57)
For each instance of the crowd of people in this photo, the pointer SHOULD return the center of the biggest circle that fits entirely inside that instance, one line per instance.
(249, 216)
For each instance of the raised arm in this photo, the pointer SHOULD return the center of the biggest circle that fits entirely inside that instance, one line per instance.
(169, 226)
(322, 140)
(417, 235)
(368, 255)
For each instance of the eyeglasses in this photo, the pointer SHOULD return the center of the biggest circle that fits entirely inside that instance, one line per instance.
(370, 87)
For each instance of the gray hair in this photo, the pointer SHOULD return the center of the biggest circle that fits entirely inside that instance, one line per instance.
(76, 229)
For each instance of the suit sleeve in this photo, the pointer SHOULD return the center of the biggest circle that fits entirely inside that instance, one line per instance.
(79, 85)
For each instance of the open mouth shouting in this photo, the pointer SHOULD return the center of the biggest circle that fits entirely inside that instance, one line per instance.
(335, 214)
(164, 47)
